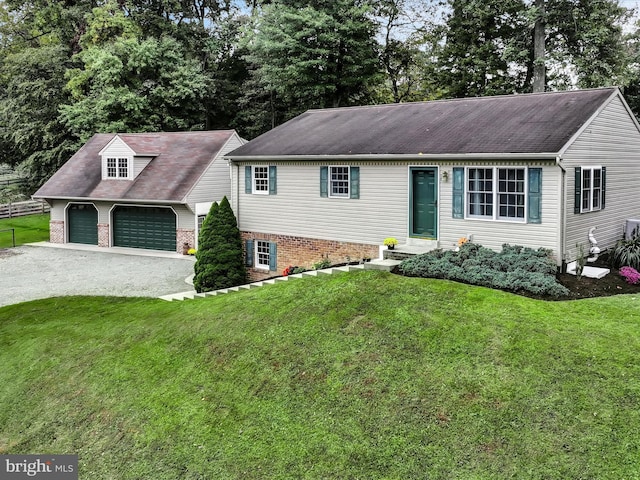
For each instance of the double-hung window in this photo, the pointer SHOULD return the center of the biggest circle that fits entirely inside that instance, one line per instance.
(590, 189)
(340, 182)
(260, 179)
(117, 167)
(497, 193)
(261, 254)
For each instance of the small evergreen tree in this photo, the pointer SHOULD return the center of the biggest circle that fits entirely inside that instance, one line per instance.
(219, 259)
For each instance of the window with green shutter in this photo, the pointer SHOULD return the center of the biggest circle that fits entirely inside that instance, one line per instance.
(340, 182)
(261, 180)
(458, 193)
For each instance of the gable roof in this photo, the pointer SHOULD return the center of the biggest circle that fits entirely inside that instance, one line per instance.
(179, 160)
(509, 124)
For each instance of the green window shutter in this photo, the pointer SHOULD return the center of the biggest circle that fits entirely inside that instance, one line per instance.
(248, 181)
(458, 193)
(604, 186)
(577, 202)
(248, 259)
(273, 256)
(354, 178)
(535, 195)
(273, 180)
(324, 181)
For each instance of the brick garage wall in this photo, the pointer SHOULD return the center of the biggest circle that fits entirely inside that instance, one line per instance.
(184, 235)
(103, 234)
(56, 231)
(304, 252)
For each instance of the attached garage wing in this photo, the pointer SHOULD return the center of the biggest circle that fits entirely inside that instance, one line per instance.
(152, 228)
(83, 223)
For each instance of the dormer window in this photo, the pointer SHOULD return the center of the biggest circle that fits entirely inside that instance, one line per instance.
(117, 167)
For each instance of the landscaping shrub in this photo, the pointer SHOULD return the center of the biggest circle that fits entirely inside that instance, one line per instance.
(219, 259)
(627, 253)
(515, 268)
(630, 274)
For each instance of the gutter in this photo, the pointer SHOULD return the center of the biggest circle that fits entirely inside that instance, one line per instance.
(561, 212)
(114, 200)
(398, 157)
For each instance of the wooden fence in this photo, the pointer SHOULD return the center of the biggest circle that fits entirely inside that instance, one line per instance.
(18, 209)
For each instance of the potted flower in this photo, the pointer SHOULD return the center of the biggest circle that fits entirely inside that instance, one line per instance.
(390, 242)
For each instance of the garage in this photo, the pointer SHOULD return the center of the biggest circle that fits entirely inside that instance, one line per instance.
(82, 221)
(152, 228)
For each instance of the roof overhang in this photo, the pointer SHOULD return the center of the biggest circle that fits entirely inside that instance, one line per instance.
(449, 157)
(111, 200)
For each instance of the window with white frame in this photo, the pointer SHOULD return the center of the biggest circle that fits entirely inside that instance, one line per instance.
(261, 180)
(480, 192)
(496, 193)
(339, 181)
(117, 167)
(591, 189)
(262, 254)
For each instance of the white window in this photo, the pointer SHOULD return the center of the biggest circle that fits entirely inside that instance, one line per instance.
(497, 193)
(261, 180)
(262, 254)
(339, 181)
(117, 168)
(591, 189)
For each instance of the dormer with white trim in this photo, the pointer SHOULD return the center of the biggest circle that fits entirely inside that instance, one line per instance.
(121, 162)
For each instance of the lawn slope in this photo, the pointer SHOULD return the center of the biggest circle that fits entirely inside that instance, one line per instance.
(358, 375)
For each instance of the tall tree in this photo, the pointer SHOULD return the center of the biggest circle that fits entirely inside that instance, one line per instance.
(313, 54)
(130, 84)
(490, 45)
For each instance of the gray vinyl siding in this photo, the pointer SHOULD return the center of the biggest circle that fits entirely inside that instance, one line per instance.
(215, 183)
(298, 209)
(494, 233)
(383, 208)
(611, 140)
(139, 164)
(57, 210)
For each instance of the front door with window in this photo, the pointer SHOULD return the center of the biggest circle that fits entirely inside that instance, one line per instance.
(423, 202)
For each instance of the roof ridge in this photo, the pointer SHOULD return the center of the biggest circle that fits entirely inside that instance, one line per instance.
(461, 99)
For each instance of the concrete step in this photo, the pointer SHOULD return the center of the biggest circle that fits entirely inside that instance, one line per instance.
(384, 264)
(192, 294)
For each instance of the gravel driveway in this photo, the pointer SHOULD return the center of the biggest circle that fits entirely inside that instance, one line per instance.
(30, 272)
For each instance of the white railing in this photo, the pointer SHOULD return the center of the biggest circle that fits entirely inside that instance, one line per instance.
(18, 209)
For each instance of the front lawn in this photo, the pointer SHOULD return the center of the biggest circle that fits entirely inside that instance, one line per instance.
(28, 229)
(358, 375)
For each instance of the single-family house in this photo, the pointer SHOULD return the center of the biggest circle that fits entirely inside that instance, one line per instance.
(140, 190)
(538, 170)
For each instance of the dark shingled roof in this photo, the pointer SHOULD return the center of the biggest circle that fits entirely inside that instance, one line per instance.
(519, 124)
(180, 158)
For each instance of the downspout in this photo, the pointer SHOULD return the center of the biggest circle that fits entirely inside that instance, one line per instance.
(562, 215)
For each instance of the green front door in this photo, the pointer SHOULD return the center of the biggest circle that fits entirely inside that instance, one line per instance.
(153, 228)
(82, 221)
(424, 202)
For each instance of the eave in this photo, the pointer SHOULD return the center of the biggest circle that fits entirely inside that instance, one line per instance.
(449, 157)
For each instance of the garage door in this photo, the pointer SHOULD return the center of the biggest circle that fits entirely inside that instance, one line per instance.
(83, 223)
(153, 228)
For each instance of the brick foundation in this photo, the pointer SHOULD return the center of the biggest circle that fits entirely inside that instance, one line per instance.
(183, 236)
(304, 252)
(56, 231)
(103, 235)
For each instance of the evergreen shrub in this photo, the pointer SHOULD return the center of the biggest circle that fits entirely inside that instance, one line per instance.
(515, 268)
(219, 259)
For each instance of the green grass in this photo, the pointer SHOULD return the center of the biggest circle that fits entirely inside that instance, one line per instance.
(28, 229)
(362, 375)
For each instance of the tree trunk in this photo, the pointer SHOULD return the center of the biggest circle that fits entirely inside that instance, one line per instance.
(538, 49)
